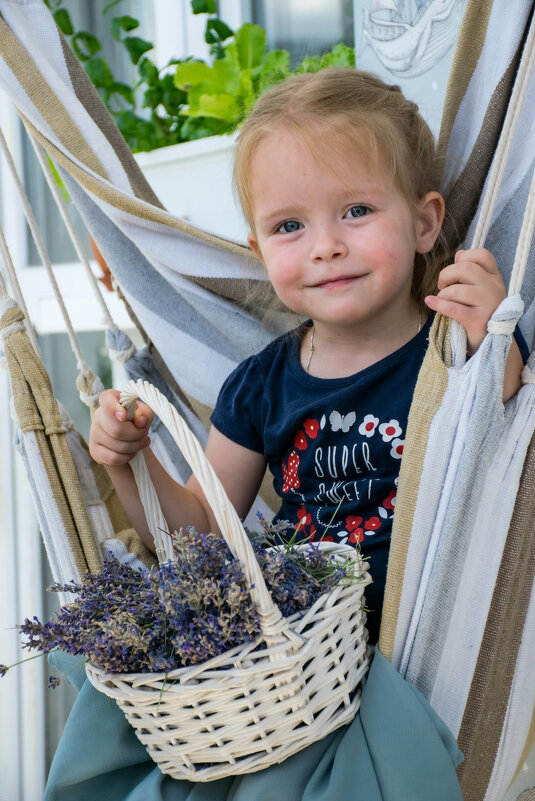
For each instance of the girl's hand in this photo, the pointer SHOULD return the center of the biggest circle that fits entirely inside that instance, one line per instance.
(471, 289)
(113, 440)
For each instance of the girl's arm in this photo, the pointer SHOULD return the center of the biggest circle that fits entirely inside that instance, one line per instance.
(471, 289)
(114, 442)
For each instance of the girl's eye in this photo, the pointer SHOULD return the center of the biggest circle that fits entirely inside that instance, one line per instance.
(289, 227)
(357, 211)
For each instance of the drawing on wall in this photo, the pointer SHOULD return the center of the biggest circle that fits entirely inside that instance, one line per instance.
(410, 36)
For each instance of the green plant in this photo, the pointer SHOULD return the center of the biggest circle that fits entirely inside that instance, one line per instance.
(187, 98)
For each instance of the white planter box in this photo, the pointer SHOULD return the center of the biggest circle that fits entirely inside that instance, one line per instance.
(194, 180)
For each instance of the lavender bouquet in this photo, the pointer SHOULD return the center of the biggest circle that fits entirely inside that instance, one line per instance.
(180, 613)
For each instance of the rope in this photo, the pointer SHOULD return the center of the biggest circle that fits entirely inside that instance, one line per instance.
(149, 499)
(73, 233)
(524, 242)
(36, 234)
(125, 348)
(87, 379)
(501, 326)
(10, 270)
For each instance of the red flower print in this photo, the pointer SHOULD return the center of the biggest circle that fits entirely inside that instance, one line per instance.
(353, 522)
(396, 451)
(368, 425)
(311, 533)
(357, 535)
(289, 473)
(389, 430)
(304, 518)
(311, 427)
(372, 524)
(390, 500)
(300, 441)
(327, 538)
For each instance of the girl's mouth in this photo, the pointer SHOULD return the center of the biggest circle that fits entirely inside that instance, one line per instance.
(333, 283)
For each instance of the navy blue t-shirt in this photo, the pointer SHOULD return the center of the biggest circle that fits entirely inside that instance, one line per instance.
(334, 445)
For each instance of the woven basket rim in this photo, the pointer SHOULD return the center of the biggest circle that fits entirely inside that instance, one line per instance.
(360, 581)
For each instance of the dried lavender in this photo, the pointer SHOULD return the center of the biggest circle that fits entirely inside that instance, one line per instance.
(180, 613)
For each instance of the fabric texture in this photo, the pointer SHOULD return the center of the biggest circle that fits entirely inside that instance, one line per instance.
(63, 516)
(396, 749)
(187, 289)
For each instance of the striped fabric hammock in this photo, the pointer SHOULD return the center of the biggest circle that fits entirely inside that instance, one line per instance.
(459, 616)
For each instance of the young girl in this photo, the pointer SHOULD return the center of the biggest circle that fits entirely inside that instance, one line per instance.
(337, 177)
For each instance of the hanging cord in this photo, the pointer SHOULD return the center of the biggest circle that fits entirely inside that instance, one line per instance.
(7, 261)
(524, 242)
(9, 267)
(88, 384)
(503, 149)
(73, 233)
(120, 346)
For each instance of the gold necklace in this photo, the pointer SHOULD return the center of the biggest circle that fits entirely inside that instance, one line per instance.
(311, 349)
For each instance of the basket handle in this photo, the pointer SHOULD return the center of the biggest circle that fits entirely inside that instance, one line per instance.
(273, 625)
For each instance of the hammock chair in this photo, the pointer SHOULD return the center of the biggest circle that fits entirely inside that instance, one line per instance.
(459, 615)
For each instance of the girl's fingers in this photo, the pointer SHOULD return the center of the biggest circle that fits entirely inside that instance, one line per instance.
(121, 445)
(126, 431)
(450, 308)
(109, 402)
(476, 266)
(480, 256)
(109, 451)
(143, 415)
(469, 273)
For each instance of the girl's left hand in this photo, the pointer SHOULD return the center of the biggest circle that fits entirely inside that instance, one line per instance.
(471, 289)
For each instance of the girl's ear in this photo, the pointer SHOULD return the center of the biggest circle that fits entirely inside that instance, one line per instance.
(253, 244)
(429, 218)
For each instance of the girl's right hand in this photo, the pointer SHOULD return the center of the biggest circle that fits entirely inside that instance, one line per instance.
(114, 440)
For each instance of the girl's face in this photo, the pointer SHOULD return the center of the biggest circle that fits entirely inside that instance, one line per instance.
(337, 238)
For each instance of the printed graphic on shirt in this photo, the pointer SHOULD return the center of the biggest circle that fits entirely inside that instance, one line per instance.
(337, 462)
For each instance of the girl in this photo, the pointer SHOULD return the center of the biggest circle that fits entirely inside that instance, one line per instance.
(337, 177)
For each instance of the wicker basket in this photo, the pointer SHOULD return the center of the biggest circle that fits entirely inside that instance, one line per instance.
(259, 703)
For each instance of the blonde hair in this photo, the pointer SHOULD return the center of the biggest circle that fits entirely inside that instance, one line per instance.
(358, 106)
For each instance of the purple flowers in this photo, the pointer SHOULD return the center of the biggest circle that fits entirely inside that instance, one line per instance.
(180, 613)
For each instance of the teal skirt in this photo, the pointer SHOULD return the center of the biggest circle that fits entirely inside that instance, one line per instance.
(395, 749)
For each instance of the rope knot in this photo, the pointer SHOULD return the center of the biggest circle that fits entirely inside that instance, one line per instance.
(12, 329)
(120, 346)
(501, 326)
(527, 376)
(89, 387)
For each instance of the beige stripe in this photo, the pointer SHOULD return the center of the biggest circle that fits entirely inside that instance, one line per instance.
(28, 372)
(46, 102)
(241, 291)
(73, 541)
(428, 395)
(470, 41)
(135, 545)
(90, 99)
(37, 411)
(486, 707)
(131, 205)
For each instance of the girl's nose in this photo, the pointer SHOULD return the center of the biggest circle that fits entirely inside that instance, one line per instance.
(327, 246)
